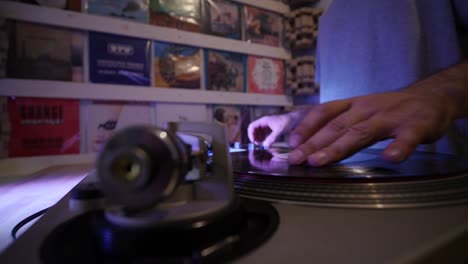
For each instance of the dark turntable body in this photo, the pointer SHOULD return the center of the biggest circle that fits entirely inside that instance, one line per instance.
(363, 210)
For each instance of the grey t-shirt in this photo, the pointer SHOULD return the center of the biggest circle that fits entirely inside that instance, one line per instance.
(371, 46)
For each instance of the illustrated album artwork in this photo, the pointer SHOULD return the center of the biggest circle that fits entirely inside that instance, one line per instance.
(176, 66)
(179, 14)
(223, 18)
(262, 26)
(226, 71)
(136, 10)
(265, 75)
(236, 119)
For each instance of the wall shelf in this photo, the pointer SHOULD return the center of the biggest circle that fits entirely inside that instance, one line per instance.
(15, 167)
(89, 22)
(76, 90)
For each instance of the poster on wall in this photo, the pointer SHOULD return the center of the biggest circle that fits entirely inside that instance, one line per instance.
(226, 71)
(223, 18)
(119, 59)
(136, 10)
(43, 126)
(103, 118)
(262, 26)
(266, 75)
(45, 52)
(176, 66)
(179, 14)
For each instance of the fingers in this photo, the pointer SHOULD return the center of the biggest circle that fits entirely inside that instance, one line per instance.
(356, 138)
(315, 119)
(364, 134)
(353, 124)
(256, 129)
(403, 145)
(271, 138)
(267, 129)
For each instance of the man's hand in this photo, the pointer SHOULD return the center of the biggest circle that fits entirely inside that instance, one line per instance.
(335, 130)
(267, 129)
(327, 133)
(420, 113)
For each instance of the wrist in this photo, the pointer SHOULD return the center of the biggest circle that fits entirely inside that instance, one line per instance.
(448, 87)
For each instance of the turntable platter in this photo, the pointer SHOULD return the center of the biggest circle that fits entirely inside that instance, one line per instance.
(364, 180)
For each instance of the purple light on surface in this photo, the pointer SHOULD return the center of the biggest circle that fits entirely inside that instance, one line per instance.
(25, 196)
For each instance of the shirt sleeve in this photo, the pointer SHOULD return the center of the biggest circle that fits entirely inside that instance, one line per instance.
(461, 12)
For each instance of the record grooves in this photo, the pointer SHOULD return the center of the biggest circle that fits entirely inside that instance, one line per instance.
(425, 179)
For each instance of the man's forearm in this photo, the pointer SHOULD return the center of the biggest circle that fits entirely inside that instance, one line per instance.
(450, 84)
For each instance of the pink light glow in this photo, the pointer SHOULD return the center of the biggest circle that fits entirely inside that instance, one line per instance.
(25, 196)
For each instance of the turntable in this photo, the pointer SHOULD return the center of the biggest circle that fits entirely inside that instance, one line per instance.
(177, 196)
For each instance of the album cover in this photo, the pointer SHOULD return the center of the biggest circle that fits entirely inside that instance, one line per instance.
(180, 113)
(43, 126)
(44, 52)
(4, 127)
(136, 10)
(262, 26)
(225, 71)
(176, 66)
(119, 59)
(103, 118)
(180, 14)
(74, 5)
(223, 19)
(236, 119)
(265, 75)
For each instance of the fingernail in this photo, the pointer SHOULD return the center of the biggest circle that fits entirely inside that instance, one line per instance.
(393, 154)
(296, 156)
(318, 159)
(294, 140)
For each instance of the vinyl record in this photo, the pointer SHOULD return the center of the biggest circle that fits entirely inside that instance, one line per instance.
(365, 165)
(364, 180)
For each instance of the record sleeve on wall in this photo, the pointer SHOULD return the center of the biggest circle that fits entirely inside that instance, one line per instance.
(44, 52)
(180, 113)
(43, 126)
(103, 118)
(180, 14)
(236, 119)
(176, 66)
(225, 71)
(119, 59)
(262, 26)
(266, 75)
(137, 10)
(223, 18)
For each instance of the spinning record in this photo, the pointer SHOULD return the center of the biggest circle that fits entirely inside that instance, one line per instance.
(364, 180)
